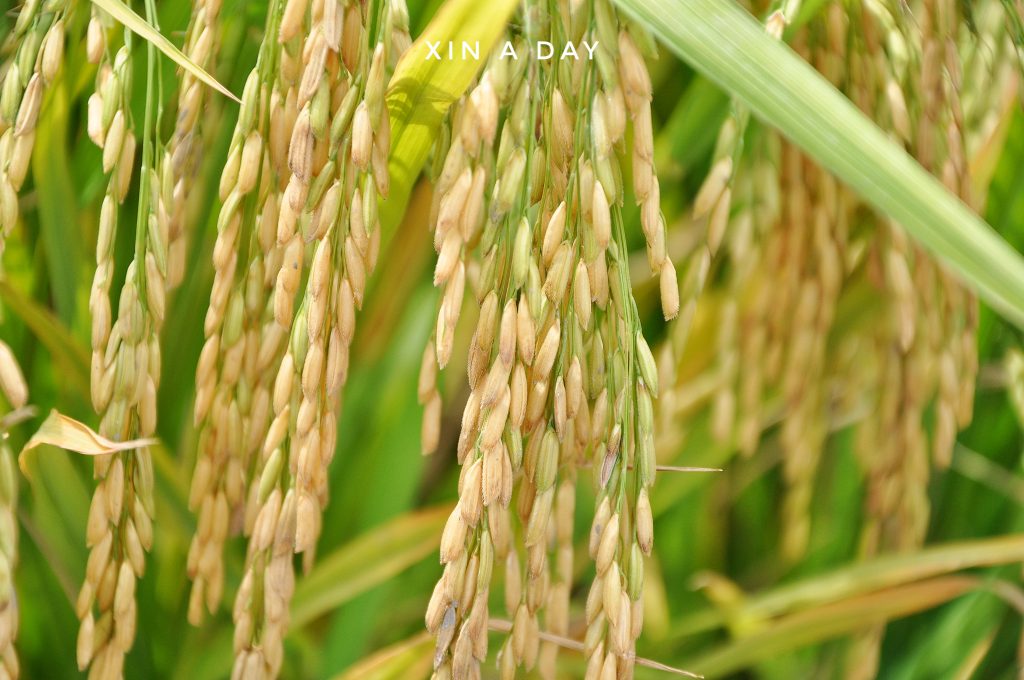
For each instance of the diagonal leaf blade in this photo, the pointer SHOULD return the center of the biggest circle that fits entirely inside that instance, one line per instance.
(422, 89)
(65, 351)
(858, 579)
(389, 548)
(136, 24)
(724, 43)
(831, 621)
(396, 661)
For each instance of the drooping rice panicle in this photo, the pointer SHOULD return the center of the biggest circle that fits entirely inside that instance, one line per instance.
(39, 38)
(243, 342)
(557, 367)
(14, 390)
(712, 214)
(928, 348)
(337, 170)
(126, 358)
(184, 148)
(39, 33)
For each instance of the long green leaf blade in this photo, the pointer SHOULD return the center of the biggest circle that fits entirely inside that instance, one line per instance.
(880, 573)
(142, 28)
(723, 42)
(831, 621)
(367, 561)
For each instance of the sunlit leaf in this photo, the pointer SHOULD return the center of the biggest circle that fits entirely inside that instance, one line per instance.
(826, 622)
(887, 571)
(409, 658)
(422, 89)
(727, 45)
(370, 559)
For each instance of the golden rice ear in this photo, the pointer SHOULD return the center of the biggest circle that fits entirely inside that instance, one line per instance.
(540, 397)
(126, 367)
(22, 94)
(14, 391)
(324, 115)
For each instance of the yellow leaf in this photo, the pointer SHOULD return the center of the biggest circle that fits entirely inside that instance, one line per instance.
(422, 89)
(69, 434)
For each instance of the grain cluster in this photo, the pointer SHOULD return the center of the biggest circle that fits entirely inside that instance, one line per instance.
(298, 237)
(38, 39)
(125, 367)
(14, 391)
(185, 147)
(527, 219)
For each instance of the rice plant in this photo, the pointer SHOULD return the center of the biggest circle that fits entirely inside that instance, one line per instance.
(673, 339)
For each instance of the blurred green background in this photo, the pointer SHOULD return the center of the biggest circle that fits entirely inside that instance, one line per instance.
(721, 600)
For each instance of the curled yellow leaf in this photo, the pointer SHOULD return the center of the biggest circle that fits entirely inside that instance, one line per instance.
(71, 435)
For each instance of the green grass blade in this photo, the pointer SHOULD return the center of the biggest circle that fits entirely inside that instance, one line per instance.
(58, 215)
(371, 559)
(409, 658)
(136, 24)
(726, 44)
(829, 622)
(66, 352)
(421, 90)
(880, 573)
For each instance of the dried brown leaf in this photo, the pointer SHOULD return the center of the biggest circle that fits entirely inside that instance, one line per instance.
(71, 435)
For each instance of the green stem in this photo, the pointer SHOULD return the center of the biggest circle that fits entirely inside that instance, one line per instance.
(142, 218)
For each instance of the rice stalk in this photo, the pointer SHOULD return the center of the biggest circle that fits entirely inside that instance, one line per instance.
(558, 368)
(332, 132)
(126, 358)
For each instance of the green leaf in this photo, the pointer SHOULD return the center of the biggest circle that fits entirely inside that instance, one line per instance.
(142, 28)
(421, 90)
(887, 571)
(409, 658)
(67, 353)
(726, 44)
(58, 212)
(823, 623)
(374, 557)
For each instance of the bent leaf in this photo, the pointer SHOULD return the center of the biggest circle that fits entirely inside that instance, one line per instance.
(142, 28)
(724, 43)
(71, 435)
